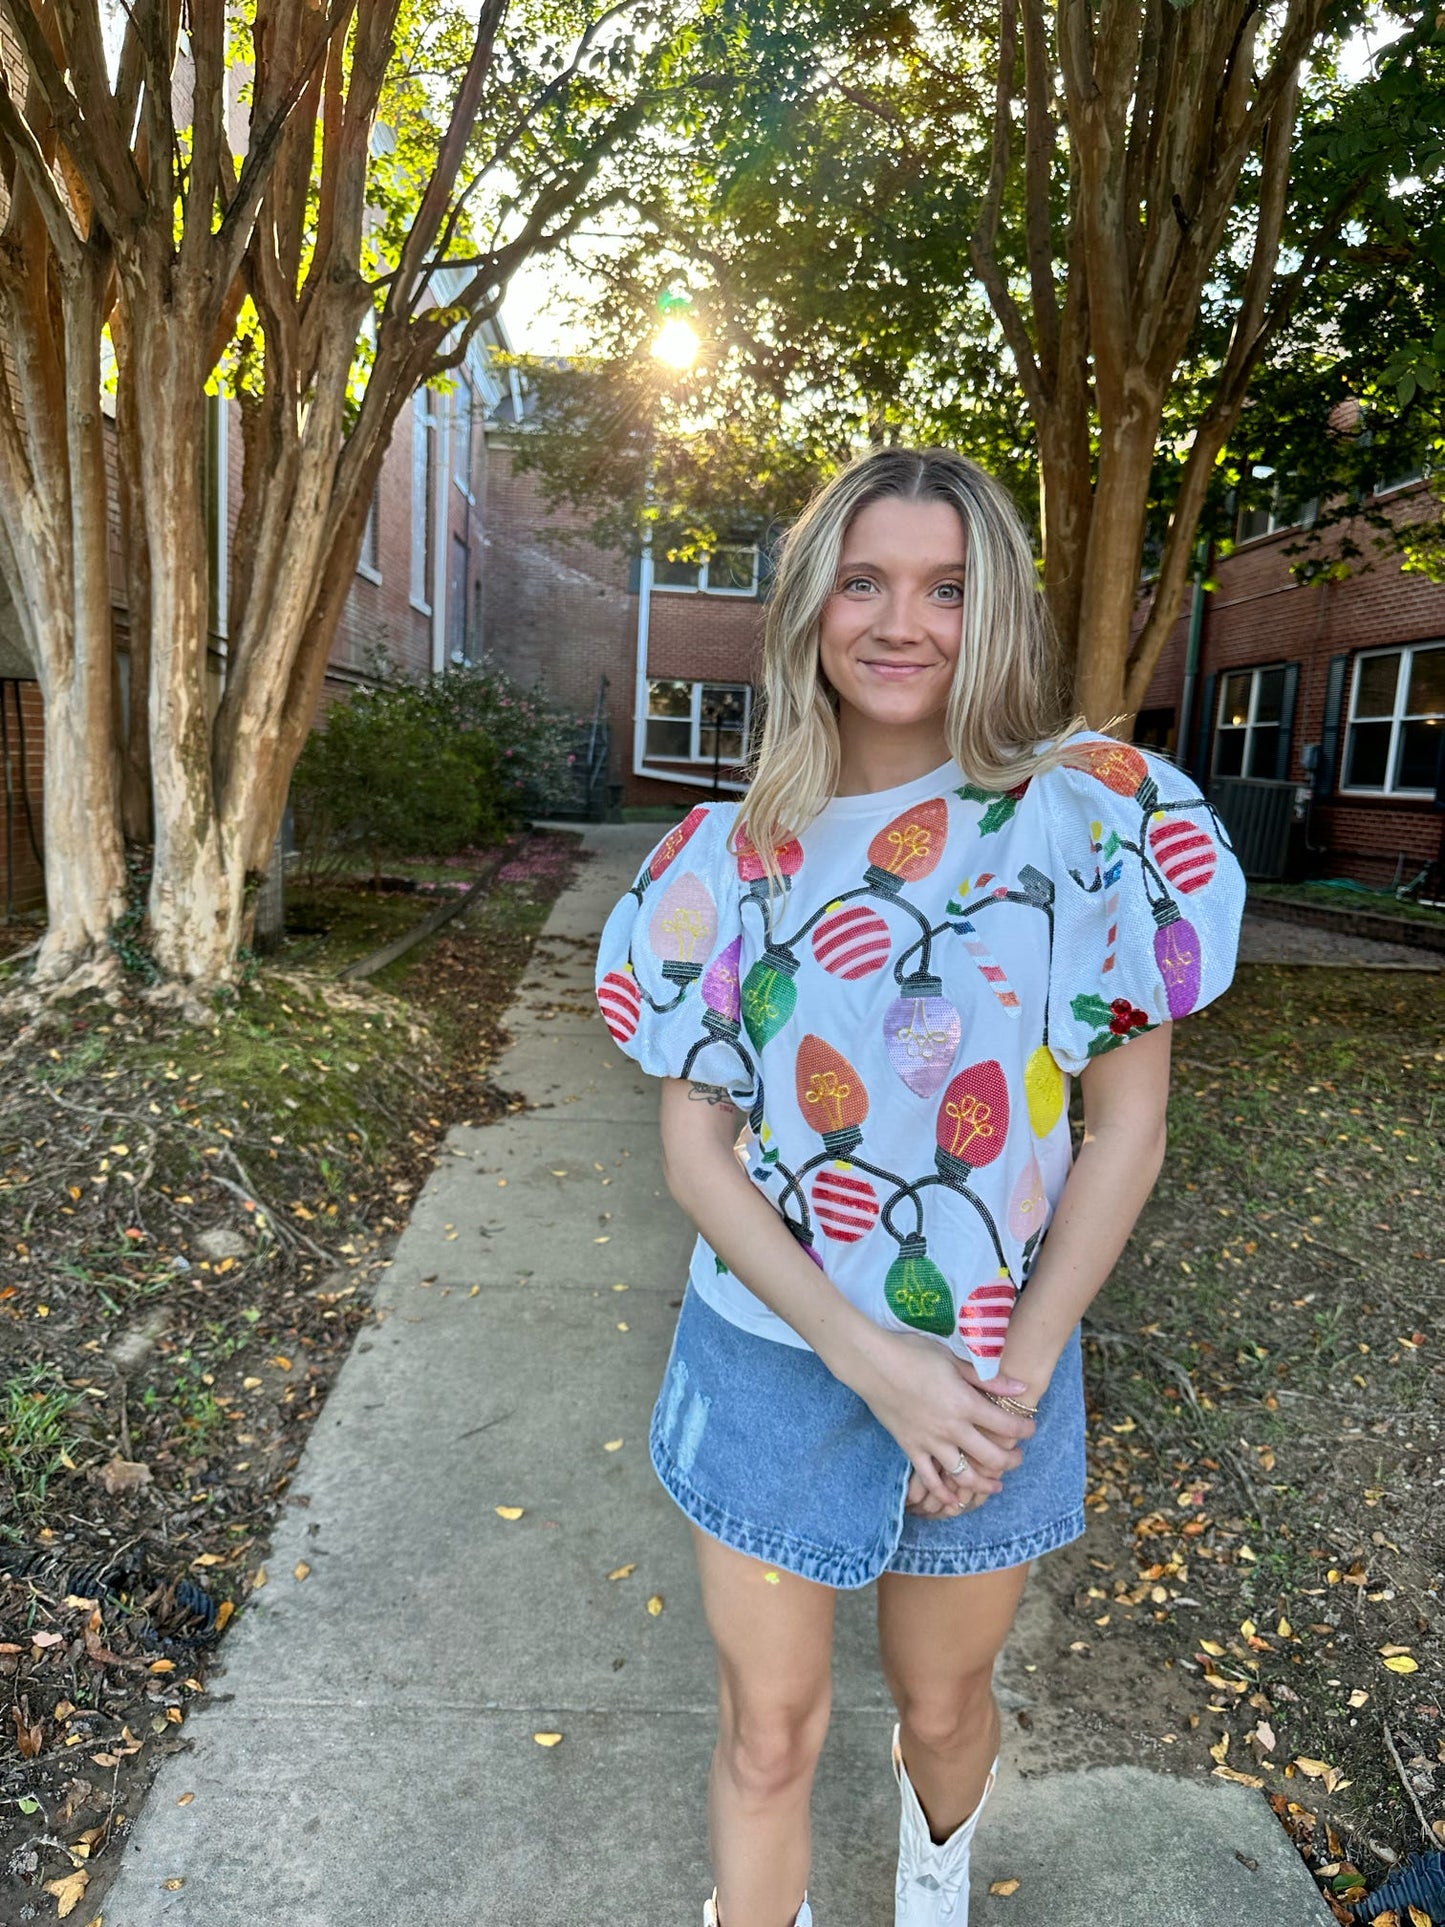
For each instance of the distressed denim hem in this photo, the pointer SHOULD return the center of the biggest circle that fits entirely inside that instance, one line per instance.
(785, 1549)
(951, 1561)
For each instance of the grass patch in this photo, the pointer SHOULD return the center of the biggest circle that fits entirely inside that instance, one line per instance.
(1342, 897)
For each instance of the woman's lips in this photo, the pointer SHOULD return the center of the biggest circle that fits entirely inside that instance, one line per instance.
(895, 671)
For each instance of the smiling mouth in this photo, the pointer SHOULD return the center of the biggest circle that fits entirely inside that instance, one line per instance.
(896, 668)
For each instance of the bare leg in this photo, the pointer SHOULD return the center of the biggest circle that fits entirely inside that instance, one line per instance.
(938, 1639)
(774, 1637)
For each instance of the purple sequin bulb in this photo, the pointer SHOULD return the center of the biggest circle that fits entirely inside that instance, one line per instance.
(1176, 951)
(721, 989)
(921, 1031)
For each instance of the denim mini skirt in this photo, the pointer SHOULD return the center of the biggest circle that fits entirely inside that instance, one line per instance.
(766, 1450)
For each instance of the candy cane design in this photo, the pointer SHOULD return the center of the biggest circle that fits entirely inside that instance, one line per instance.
(1111, 894)
(989, 966)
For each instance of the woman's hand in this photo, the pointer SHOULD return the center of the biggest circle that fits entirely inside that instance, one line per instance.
(930, 1402)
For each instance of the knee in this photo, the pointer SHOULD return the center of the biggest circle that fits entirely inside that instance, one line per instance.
(771, 1751)
(948, 1720)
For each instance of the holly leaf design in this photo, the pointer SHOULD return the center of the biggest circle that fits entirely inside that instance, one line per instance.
(1089, 1008)
(998, 809)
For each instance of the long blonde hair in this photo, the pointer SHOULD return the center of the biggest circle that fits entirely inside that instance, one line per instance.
(1008, 686)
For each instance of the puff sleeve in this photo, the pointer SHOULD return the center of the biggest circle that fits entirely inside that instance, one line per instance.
(1148, 898)
(668, 965)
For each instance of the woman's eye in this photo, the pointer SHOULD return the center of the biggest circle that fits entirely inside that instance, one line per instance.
(857, 582)
(952, 590)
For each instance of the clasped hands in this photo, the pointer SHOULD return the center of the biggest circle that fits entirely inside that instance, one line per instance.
(933, 1404)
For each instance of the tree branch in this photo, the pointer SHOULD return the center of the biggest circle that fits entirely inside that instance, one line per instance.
(983, 242)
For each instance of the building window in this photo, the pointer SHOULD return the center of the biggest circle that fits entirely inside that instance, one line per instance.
(368, 563)
(1406, 478)
(464, 402)
(727, 571)
(425, 428)
(693, 722)
(1273, 505)
(1246, 740)
(1397, 713)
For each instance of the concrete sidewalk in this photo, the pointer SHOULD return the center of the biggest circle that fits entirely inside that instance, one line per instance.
(366, 1756)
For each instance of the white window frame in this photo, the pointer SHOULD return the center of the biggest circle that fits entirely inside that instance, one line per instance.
(371, 538)
(703, 587)
(696, 753)
(1392, 485)
(425, 448)
(1302, 515)
(1407, 652)
(1252, 722)
(464, 431)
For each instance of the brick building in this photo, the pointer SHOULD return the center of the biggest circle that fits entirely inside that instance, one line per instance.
(672, 670)
(1336, 686)
(416, 601)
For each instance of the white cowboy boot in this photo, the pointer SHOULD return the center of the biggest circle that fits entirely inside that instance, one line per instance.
(709, 1912)
(932, 1888)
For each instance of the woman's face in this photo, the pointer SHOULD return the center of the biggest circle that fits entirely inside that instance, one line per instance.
(889, 634)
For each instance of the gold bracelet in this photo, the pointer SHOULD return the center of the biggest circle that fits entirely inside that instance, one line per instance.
(1012, 1404)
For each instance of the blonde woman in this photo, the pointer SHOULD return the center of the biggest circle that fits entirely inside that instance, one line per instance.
(866, 986)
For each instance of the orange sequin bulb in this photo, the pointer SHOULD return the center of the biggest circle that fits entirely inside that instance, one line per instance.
(909, 847)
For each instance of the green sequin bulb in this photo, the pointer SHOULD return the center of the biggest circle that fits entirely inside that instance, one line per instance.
(769, 995)
(917, 1291)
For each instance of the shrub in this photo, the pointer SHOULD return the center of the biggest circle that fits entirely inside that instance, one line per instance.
(422, 769)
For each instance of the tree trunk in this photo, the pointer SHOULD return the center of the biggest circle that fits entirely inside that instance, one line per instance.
(196, 883)
(1111, 567)
(84, 856)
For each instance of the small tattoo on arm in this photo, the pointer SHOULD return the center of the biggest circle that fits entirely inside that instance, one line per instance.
(708, 1093)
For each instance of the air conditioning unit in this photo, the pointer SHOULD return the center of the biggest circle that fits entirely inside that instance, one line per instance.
(1257, 814)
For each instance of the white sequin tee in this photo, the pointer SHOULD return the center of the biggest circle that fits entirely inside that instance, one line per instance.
(900, 1023)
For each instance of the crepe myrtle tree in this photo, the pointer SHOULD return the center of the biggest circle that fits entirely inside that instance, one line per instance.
(203, 183)
(1070, 237)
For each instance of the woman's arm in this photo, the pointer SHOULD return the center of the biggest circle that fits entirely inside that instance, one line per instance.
(907, 1380)
(1126, 1098)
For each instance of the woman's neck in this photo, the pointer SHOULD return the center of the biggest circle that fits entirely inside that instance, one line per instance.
(874, 759)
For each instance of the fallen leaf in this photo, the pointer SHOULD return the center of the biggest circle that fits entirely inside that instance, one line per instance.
(1219, 1748)
(1243, 1779)
(1003, 1886)
(1313, 1769)
(623, 1572)
(1390, 1651)
(1418, 1916)
(120, 1475)
(69, 1890)
(508, 1511)
(654, 1605)
(46, 1639)
(1359, 1696)
(547, 1739)
(30, 1739)
(185, 1799)
(301, 1569)
(613, 1445)
(1402, 1663)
